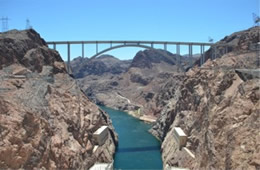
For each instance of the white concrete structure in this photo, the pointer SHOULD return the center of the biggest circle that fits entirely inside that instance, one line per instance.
(189, 152)
(18, 76)
(100, 135)
(180, 137)
(167, 167)
(102, 166)
(95, 148)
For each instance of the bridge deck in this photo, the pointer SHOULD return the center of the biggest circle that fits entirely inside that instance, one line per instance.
(130, 42)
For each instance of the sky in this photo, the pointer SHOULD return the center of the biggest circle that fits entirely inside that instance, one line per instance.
(155, 20)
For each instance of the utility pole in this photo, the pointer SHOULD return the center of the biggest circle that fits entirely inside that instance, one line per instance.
(28, 25)
(4, 24)
(256, 19)
(211, 40)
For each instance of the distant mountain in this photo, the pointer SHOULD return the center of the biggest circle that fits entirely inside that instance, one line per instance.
(146, 58)
(104, 64)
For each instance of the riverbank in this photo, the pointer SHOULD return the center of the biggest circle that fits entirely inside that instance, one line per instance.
(136, 114)
(145, 118)
(137, 148)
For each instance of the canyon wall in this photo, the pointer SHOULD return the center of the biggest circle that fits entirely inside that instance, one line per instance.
(217, 106)
(46, 121)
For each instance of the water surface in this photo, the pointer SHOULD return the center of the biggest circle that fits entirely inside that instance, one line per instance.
(137, 148)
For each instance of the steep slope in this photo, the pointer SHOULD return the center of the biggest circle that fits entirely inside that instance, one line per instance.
(217, 106)
(45, 119)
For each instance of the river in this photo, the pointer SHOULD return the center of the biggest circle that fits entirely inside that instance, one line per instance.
(137, 148)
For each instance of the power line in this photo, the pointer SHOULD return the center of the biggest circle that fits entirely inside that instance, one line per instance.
(256, 19)
(211, 40)
(4, 23)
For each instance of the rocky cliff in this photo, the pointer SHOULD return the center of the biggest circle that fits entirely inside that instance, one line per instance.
(217, 106)
(45, 119)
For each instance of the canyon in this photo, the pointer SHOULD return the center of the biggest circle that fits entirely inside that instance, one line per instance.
(134, 85)
(215, 104)
(206, 116)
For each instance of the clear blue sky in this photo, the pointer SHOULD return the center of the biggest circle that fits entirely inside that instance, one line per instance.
(159, 20)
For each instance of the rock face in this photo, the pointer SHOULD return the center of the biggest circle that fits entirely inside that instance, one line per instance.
(135, 89)
(146, 58)
(104, 64)
(45, 119)
(218, 109)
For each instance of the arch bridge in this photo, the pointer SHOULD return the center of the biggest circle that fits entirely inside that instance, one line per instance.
(142, 44)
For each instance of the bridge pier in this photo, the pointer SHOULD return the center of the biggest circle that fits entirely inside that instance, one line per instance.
(68, 62)
(165, 46)
(178, 53)
(54, 46)
(96, 47)
(190, 54)
(203, 50)
(82, 50)
(202, 55)
(152, 44)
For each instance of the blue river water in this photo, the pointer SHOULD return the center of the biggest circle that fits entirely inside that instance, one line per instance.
(137, 148)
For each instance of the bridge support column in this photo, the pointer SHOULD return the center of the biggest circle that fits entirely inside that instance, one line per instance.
(96, 47)
(54, 46)
(190, 54)
(68, 62)
(152, 44)
(165, 46)
(203, 50)
(82, 50)
(111, 45)
(202, 55)
(178, 53)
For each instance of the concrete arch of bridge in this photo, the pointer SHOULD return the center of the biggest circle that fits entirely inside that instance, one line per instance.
(120, 46)
(135, 45)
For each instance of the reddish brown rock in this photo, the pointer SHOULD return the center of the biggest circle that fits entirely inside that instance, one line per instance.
(45, 119)
(219, 112)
